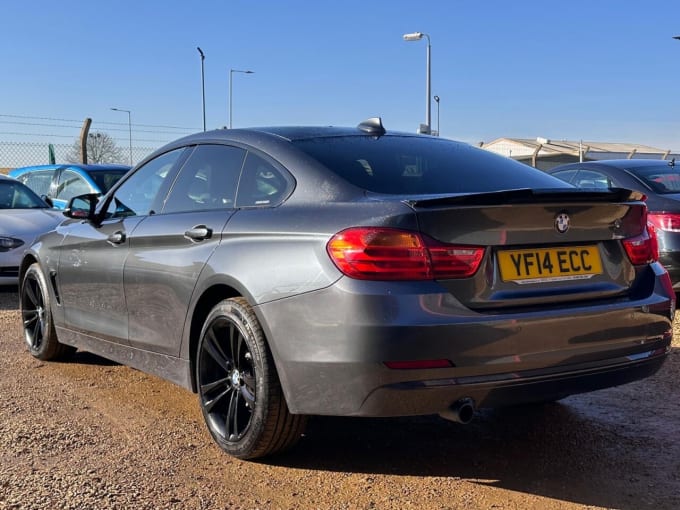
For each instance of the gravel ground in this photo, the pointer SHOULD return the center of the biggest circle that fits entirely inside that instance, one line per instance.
(88, 433)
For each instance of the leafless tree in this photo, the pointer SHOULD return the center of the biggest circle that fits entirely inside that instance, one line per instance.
(101, 148)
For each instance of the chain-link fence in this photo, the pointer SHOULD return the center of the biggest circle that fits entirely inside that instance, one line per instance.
(16, 154)
(27, 141)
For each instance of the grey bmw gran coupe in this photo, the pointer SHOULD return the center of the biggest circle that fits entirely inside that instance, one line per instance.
(294, 271)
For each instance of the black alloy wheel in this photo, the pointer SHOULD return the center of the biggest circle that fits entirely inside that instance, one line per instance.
(36, 313)
(238, 387)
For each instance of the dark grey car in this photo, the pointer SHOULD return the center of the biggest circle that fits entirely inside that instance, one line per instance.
(659, 181)
(285, 272)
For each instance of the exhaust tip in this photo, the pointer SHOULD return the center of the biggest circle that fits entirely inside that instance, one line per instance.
(461, 411)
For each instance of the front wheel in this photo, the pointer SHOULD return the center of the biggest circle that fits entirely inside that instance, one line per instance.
(36, 314)
(238, 387)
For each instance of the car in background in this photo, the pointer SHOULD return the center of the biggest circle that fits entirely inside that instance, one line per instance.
(23, 217)
(658, 180)
(290, 271)
(60, 183)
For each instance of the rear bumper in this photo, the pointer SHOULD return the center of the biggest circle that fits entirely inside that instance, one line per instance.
(510, 389)
(331, 346)
(671, 261)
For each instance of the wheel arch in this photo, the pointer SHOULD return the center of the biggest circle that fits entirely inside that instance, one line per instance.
(28, 260)
(206, 302)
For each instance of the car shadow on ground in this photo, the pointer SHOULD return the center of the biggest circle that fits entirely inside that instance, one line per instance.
(87, 358)
(563, 451)
(9, 297)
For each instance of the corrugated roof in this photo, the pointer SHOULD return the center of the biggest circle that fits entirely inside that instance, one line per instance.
(570, 146)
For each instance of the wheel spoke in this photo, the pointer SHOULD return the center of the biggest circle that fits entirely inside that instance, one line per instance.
(213, 348)
(210, 403)
(205, 388)
(234, 342)
(232, 417)
(30, 293)
(30, 316)
(248, 388)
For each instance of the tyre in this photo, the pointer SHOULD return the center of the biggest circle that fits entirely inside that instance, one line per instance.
(36, 314)
(238, 387)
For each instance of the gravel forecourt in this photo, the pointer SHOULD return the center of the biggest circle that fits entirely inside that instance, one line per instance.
(90, 434)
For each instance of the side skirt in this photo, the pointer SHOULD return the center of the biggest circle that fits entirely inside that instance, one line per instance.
(173, 369)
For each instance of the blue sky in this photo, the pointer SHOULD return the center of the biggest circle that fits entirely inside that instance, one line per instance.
(598, 70)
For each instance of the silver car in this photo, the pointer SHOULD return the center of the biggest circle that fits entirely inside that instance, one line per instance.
(286, 272)
(23, 217)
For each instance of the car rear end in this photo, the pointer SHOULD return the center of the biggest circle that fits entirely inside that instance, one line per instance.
(489, 296)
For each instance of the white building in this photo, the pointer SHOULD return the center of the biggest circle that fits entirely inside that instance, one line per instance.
(544, 153)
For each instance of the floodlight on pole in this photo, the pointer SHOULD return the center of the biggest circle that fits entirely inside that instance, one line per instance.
(129, 127)
(200, 51)
(231, 74)
(417, 36)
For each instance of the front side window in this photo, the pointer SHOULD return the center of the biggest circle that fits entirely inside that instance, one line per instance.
(207, 180)
(139, 194)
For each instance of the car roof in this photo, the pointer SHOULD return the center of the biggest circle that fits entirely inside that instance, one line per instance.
(76, 166)
(618, 163)
(288, 133)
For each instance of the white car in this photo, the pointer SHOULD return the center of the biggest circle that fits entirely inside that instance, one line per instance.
(23, 216)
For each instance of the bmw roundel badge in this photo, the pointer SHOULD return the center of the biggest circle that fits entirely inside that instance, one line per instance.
(562, 222)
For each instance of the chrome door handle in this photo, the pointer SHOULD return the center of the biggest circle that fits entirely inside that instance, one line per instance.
(199, 233)
(117, 238)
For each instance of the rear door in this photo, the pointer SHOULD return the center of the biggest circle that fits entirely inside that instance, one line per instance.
(169, 250)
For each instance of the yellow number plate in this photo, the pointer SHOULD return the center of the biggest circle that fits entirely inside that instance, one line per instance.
(549, 264)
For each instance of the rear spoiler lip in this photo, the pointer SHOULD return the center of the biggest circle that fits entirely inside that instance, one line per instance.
(530, 196)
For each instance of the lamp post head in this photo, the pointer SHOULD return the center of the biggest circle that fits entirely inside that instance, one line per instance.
(201, 52)
(415, 36)
(436, 98)
(676, 37)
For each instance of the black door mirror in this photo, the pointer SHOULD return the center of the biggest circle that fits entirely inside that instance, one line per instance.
(82, 206)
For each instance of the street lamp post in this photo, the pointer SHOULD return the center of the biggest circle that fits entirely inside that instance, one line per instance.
(231, 74)
(129, 127)
(202, 82)
(416, 36)
(436, 100)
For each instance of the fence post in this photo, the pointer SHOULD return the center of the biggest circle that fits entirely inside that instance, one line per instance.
(83, 139)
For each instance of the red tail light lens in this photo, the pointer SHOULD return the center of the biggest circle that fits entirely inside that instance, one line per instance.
(644, 248)
(668, 222)
(368, 253)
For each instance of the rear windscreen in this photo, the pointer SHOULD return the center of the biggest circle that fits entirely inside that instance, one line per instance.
(421, 165)
(663, 178)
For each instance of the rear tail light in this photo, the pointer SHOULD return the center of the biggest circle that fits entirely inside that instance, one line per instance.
(667, 222)
(369, 253)
(644, 248)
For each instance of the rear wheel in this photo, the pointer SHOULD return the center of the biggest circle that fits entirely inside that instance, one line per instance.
(36, 313)
(238, 387)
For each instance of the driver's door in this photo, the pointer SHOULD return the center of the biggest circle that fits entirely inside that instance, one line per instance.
(93, 254)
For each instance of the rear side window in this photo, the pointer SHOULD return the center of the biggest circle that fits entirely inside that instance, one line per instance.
(39, 182)
(261, 184)
(207, 180)
(421, 165)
